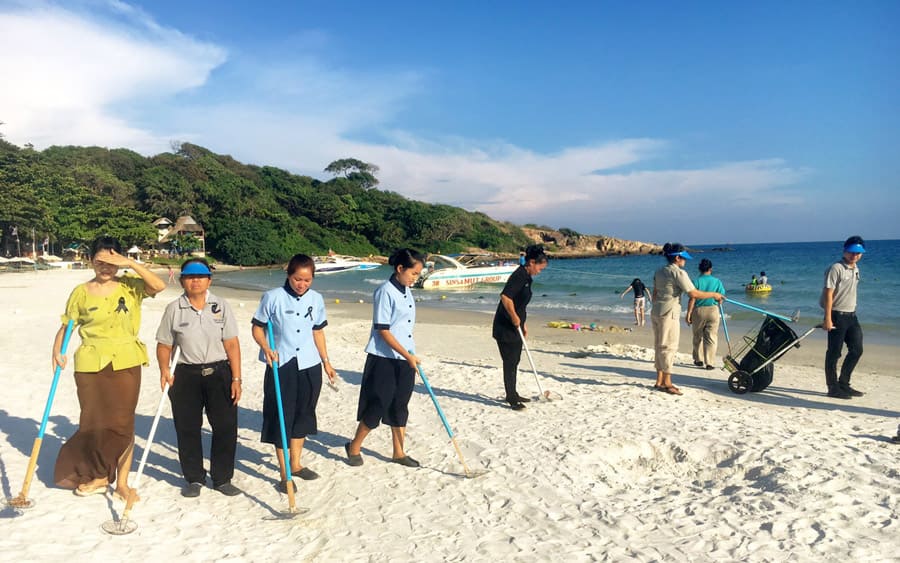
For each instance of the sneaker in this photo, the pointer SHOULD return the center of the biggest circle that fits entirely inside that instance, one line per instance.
(228, 489)
(192, 490)
(698, 363)
(838, 394)
(710, 367)
(522, 399)
(851, 391)
(517, 406)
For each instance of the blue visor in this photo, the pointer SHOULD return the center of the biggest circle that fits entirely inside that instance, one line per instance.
(196, 269)
(857, 248)
(683, 254)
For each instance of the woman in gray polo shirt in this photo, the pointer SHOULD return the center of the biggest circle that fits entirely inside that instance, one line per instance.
(208, 377)
(669, 283)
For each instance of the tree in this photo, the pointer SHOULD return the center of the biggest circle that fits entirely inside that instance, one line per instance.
(362, 173)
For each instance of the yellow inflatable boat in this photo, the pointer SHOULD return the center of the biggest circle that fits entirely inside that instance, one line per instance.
(757, 288)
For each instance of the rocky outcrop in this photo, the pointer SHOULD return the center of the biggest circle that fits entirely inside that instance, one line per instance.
(560, 245)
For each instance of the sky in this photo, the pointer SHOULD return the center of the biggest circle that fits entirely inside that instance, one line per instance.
(698, 122)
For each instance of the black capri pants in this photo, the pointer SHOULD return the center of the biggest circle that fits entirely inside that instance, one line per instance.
(300, 390)
(387, 386)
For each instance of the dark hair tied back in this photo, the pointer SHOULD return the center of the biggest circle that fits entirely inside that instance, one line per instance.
(670, 249)
(535, 252)
(705, 265)
(406, 257)
(105, 242)
(299, 261)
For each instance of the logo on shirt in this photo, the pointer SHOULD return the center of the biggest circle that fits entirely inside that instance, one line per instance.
(121, 308)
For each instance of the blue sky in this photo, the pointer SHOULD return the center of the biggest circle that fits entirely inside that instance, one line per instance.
(701, 122)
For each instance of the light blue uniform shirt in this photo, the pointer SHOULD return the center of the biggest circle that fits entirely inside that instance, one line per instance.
(293, 317)
(394, 310)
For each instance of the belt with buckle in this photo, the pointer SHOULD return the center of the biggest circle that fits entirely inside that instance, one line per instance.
(204, 369)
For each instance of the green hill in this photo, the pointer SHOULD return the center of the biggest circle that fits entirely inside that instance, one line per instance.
(252, 215)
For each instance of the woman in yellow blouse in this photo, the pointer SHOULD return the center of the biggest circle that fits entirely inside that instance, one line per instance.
(107, 310)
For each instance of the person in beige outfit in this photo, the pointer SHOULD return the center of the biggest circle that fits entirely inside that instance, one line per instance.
(669, 283)
(703, 316)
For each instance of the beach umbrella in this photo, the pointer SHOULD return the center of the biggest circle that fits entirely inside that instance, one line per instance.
(22, 501)
(125, 525)
(544, 395)
(293, 510)
(470, 473)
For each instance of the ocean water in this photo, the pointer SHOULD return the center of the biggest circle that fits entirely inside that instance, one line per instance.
(587, 290)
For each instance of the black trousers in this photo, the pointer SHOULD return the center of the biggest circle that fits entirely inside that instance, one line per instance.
(191, 394)
(510, 353)
(846, 331)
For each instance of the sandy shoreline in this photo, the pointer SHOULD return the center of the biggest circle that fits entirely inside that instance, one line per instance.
(613, 471)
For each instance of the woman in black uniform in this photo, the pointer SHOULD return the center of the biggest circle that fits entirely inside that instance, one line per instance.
(511, 314)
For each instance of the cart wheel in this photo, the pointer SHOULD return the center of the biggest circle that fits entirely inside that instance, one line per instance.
(740, 382)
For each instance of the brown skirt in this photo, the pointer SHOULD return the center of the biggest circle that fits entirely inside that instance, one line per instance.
(106, 427)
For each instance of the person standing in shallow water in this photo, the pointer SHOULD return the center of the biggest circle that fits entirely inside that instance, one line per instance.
(838, 300)
(640, 291)
(391, 364)
(510, 316)
(669, 283)
(107, 311)
(207, 378)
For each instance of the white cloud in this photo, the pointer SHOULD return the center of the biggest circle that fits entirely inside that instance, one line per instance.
(66, 75)
(84, 78)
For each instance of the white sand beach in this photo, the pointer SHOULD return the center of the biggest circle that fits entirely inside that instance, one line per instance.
(613, 471)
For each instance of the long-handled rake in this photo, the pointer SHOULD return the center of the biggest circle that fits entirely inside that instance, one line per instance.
(544, 395)
(293, 511)
(125, 525)
(22, 501)
(470, 473)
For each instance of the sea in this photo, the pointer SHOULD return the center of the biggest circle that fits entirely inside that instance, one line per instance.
(587, 290)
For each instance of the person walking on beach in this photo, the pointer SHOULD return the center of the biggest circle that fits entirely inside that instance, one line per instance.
(298, 318)
(207, 378)
(838, 299)
(107, 311)
(703, 316)
(669, 283)
(391, 364)
(640, 291)
(510, 316)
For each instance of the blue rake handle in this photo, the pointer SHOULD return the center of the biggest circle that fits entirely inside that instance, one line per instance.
(725, 327)
(284, 442)
(56, 372)
(434, 400)
(22, 500)
(763, 311)
(444, 421)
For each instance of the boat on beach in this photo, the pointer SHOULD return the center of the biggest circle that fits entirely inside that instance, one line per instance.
(463, 271)
(336, 263)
